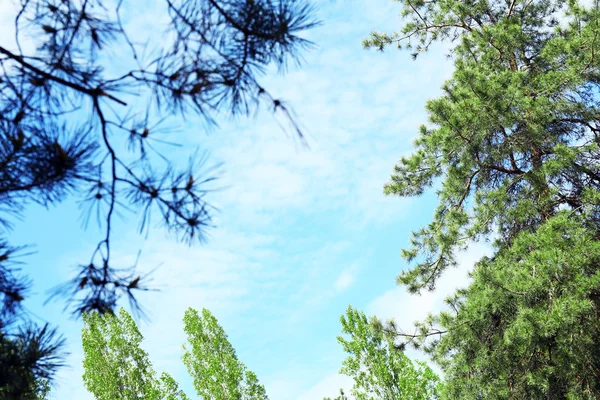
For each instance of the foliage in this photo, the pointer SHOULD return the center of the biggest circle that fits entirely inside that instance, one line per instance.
(73, 120)
(379, 368)
(527, 327)
(27, 359)
(514, 136)
(512, 149)
(28, 353)
(116, 367)
(342, 396)
(212, 362)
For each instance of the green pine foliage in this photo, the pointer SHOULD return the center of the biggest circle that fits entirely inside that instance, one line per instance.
(27, 359)
(527, 327)
(514, 138)
(512, 148)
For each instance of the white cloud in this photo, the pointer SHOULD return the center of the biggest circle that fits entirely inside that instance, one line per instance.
(9, 9)
(8, 13)
(345, 279)
(406, 308)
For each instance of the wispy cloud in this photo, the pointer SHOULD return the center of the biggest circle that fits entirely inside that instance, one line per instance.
(406, 308)
(345, 279)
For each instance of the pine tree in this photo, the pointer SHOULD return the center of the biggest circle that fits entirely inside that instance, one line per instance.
(70, 126)
(512, 148)
(28, 358)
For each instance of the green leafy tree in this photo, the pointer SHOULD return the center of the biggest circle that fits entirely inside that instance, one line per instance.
(512, 144)
(212, 362)
(342, 396)
(380, 369)
(115, 365)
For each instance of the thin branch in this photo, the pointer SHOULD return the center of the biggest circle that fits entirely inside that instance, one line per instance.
(92, 92)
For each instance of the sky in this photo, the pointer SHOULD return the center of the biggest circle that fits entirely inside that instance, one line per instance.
(301, 233)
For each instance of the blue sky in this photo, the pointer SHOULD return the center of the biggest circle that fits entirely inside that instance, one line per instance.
(302, 233)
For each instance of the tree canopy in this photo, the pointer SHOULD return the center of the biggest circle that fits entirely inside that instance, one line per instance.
(116, 367)
(27, 359)
(513, 138)
(527, 327)
(212, 362)
(381, 370)
(512, 149)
